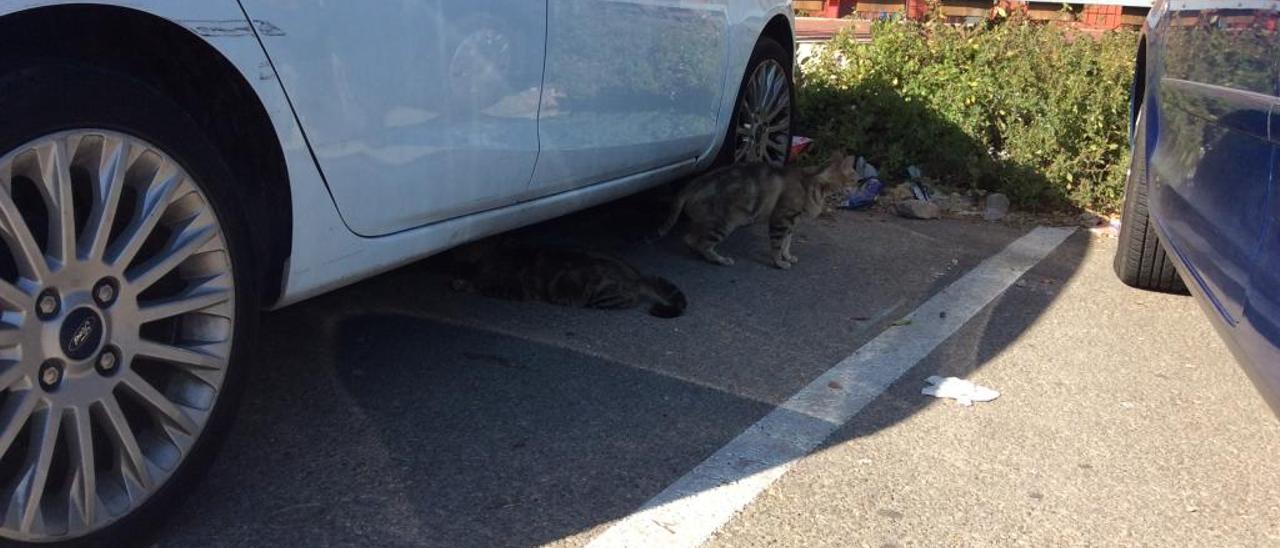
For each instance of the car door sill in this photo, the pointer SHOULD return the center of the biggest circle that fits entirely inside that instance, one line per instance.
(382, 253)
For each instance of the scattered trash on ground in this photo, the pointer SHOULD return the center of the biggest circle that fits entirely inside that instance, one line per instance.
(865, 195)
(798, 146)
(964, 392)
(920, 191)
(924, 197)
(997, 207)
(900, 323)
(1110, 229)
(869, 186)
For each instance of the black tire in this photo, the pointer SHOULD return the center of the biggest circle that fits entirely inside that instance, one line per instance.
(43, 98)
(766, 49)
(1141, 260)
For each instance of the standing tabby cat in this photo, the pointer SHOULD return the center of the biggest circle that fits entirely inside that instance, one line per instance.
(724, 199)
(567, 277)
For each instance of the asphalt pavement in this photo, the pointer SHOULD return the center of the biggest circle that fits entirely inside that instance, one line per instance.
(397, 412)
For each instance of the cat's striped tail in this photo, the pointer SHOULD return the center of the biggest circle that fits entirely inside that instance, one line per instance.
(669, 300)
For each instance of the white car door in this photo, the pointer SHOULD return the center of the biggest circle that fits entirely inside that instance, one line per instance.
(416, 110)
(630, 85)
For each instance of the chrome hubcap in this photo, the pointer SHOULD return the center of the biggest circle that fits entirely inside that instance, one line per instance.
(116, 316)
(764, 116)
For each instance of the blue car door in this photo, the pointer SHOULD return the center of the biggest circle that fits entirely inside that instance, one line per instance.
(1211, 166)
(1260, 337)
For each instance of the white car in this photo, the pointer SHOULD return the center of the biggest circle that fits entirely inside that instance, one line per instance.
(170, 167)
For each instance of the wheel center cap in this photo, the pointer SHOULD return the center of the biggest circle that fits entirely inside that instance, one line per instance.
(81, 333)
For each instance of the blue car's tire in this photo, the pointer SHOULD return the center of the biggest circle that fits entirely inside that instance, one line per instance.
(1141, 260)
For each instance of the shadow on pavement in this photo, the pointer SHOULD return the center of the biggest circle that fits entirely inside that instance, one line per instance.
(399, 413)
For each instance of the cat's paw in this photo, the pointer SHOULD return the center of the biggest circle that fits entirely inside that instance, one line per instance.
(782, 263)
(711, 256)
(791, 258)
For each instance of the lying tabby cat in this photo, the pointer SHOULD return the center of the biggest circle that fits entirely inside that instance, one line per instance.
(724, 199)
(567, 277)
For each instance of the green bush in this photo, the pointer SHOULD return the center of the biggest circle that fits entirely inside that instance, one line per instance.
(1036, 111)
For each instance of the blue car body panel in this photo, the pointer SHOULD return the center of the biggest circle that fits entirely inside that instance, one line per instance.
(1212, 97)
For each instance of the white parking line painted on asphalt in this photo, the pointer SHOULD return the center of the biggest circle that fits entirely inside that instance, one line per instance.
(693, 508)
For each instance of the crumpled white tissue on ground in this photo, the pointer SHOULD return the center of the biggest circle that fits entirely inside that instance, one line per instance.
(964, 392)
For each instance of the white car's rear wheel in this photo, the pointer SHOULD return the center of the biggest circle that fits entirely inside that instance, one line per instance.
(124, 305)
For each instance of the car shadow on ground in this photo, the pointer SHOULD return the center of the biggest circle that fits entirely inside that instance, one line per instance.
(399, 413)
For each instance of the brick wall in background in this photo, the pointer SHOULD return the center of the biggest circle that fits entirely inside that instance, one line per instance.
(1101, 16)
(1089, 15)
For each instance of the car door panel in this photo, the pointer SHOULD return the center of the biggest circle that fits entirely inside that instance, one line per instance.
(1261, 323)
(630, 85)
(1211, 166)
(416, 110)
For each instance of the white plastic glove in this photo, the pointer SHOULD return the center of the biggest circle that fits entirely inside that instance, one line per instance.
(964, 392)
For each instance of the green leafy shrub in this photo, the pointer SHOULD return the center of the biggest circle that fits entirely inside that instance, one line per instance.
(1035, 111)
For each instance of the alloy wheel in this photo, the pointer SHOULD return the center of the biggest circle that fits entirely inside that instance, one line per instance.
(116, 318)
(764, 116)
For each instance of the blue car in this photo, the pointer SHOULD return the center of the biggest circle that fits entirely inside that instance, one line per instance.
(1201, 210)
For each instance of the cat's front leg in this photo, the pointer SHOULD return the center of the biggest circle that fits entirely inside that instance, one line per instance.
(786, 249)
(705, 241)
(780, 231)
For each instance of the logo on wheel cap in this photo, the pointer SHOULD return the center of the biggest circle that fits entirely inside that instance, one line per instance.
(81, 333)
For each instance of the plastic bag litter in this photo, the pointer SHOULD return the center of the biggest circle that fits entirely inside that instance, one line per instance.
(865, 195)
(964, 392)
(798, 146)
(919, 190)
(869, 185)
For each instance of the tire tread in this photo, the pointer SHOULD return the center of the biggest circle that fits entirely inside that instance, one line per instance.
(1141, 260)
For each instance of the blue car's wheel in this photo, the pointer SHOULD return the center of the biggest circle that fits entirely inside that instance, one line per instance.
(1141, 260)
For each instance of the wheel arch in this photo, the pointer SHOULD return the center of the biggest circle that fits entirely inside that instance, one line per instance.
(199, 78)
(779, 30)
(1138, 94)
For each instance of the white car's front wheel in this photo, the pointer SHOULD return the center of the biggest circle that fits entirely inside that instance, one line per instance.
(760, 130)
(126, 305)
